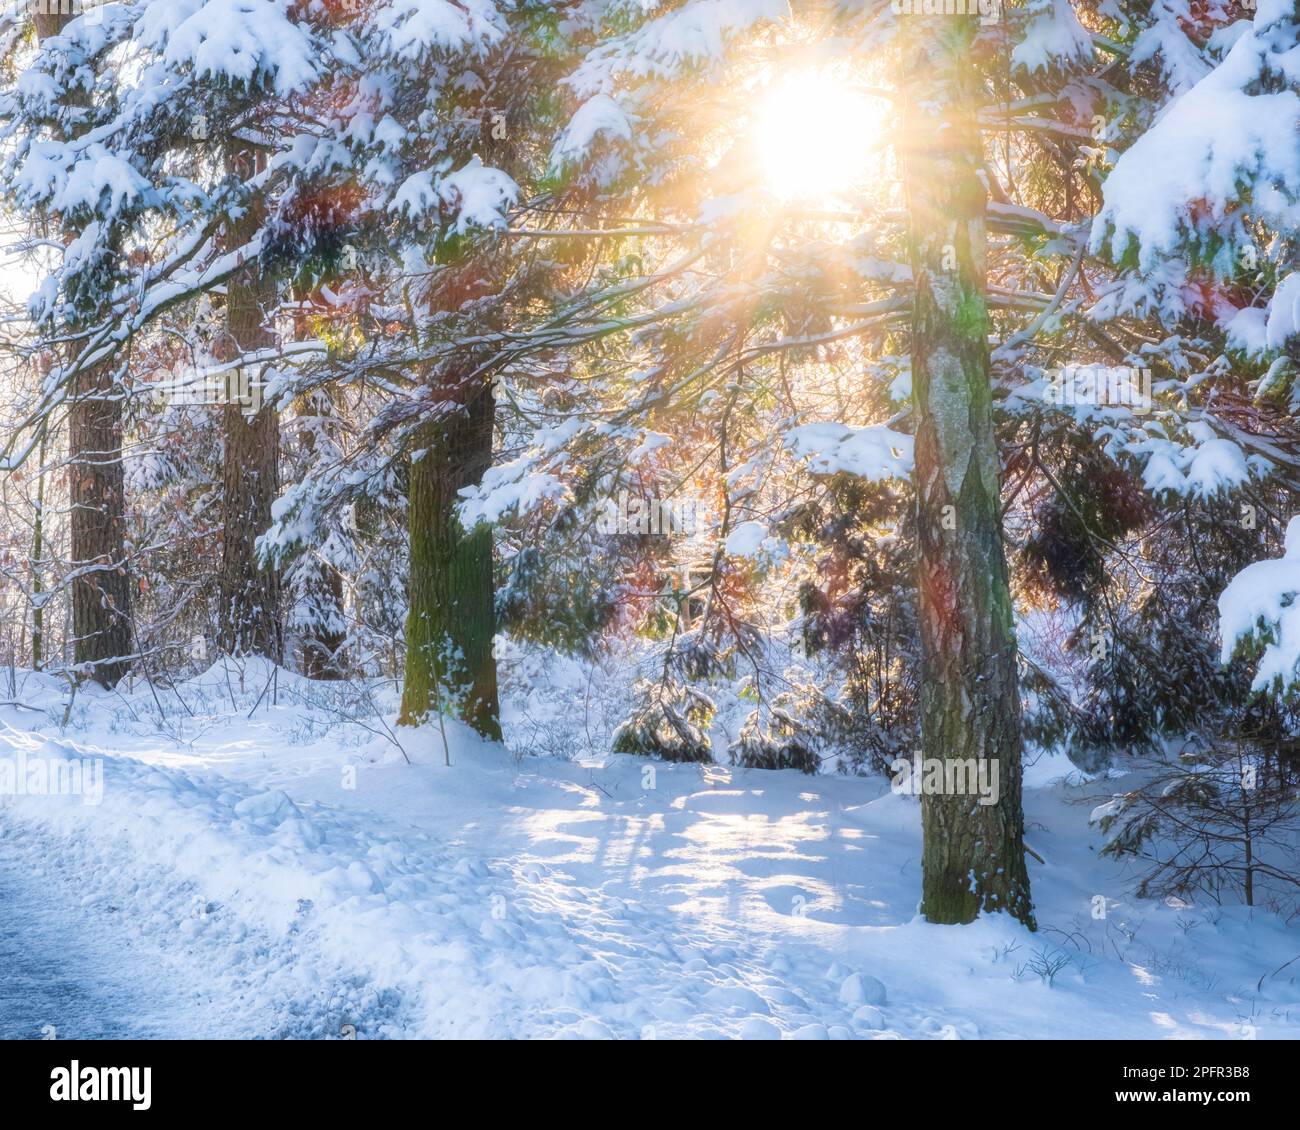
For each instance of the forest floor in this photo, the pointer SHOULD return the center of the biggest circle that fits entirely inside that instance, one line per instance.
(264, 862)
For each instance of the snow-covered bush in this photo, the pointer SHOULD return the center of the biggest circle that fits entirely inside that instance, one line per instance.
(775, 739)
(671, 721)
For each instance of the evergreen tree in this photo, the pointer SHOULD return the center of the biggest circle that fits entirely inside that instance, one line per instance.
(974, 855)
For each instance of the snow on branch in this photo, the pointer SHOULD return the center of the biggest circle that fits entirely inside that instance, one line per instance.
(1230, 142)
(1258, 613)
(243, 41)
(875, 452)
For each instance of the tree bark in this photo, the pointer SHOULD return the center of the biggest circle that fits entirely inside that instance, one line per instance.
(38, 559)
(250, 592)
(452, 617)
(973, 855)
(101, 585)
(250, 622)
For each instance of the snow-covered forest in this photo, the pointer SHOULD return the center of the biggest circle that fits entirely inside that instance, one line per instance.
(650, 519)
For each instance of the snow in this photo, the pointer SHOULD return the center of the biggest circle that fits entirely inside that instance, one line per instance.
(1213, 146)
(476, 194)
(689, 35)
(272, 869)
(1256, 331)
(241, 40)
(746, 539)
(1211, 466)
(1283, 313)
(247, 853)
(511, 487)
(1216, 466)
(860, 989)
(1247, 330)
(598, 115)
(1053, 36)
(70, 178)
(1182, 62)
(1259, 605)
(100, 981)
(410, 29)
(650, 443)
(874, 452)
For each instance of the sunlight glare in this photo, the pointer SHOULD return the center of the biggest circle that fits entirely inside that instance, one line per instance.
(815, 136)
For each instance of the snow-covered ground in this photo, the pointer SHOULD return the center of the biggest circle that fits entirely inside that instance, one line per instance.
(261, 866)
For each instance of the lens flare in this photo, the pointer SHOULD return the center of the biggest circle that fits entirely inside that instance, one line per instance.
(815, 137)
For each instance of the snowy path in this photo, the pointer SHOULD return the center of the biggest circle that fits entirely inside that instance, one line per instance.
(95, 945)
(460, 944)
(281, 877)
(72, 972)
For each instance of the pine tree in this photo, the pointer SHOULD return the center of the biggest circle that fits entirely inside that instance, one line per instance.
(132, 169)
(973, 855)
(101, 584)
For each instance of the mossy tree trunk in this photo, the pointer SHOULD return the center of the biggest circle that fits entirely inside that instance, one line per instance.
(973, 856)
(452, 618)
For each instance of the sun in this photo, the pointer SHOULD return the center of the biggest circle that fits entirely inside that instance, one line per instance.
(816, 137)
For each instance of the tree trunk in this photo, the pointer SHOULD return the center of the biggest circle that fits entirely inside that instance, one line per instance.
(101, 586)
(38, 559)
(973, 856)
(452, 618)
(250, 592)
